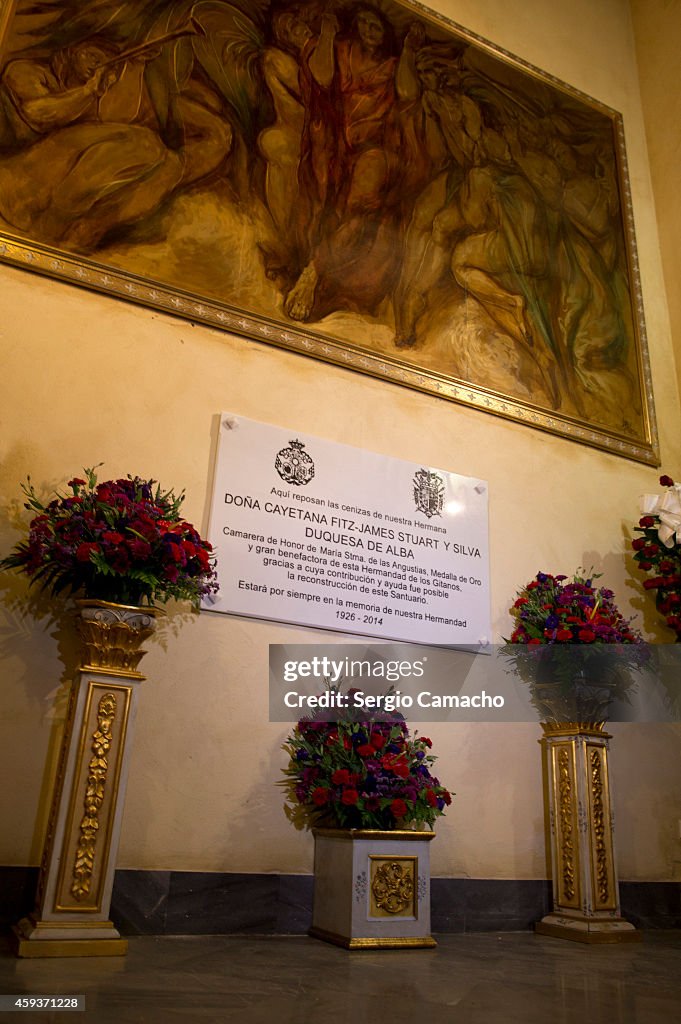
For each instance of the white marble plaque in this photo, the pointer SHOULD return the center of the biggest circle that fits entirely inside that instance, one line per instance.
(321, 534)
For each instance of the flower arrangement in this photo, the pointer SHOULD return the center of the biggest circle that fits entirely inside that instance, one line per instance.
(361, 775)
(549, 610)
(123, 541)
(573, 646)
(658, 550)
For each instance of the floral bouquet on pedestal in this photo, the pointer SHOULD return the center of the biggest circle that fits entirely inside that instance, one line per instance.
(355, 774)
(116, 546)
(573, 646)
(658, 550)
(122, 541)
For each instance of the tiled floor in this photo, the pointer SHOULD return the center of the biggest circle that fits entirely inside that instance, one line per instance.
(485, 978)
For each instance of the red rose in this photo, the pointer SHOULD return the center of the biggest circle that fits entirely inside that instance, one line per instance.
(398, 808)
(140, 550)
(666, 481)
(587, 636)
(564, 634)
(144, 527)
(639, 543)
(350, 797)
(320, 796)
(366, 750)
(377, 740)
(646, 521)
(112, 537)
(340, 777)
(83, 551)
(431, 799)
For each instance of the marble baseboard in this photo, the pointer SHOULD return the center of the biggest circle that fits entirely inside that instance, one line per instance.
(651, 904)
(217, 903)
(487, 905)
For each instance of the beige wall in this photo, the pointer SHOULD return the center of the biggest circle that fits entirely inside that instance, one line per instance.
(657, 26)
(88, 379)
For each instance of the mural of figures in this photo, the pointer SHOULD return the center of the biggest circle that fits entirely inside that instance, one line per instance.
(364, 173)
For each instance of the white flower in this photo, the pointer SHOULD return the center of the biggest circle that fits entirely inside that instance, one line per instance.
(667, 507)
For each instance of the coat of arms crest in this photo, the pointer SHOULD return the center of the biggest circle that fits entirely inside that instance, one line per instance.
(429, 492)
(294, 465)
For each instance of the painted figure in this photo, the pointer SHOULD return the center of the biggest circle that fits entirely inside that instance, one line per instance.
(388, 182)
(90, 157)
(353, 163)
(280, 142)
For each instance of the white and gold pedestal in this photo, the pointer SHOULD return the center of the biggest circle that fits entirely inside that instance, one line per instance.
(79, 852)
(586, 906)
(372, 888)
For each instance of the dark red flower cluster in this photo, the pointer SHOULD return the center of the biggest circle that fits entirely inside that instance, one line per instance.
(555, 610)
(369, 775)
(122, 541)
(662, 561)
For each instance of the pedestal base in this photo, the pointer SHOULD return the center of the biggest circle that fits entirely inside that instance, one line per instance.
(589, 930)
(372, 888)
(31, 938)
(424, 942)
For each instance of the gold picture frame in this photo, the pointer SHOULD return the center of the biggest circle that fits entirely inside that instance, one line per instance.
(371, 185)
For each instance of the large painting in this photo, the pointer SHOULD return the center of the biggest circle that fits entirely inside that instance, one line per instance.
(367, 184)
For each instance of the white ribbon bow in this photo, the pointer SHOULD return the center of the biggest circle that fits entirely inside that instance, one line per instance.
(667, 507)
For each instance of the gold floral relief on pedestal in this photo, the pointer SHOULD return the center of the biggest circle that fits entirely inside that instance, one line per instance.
(393, 886)
(94, 797)
(599, 825)
(566, 828)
